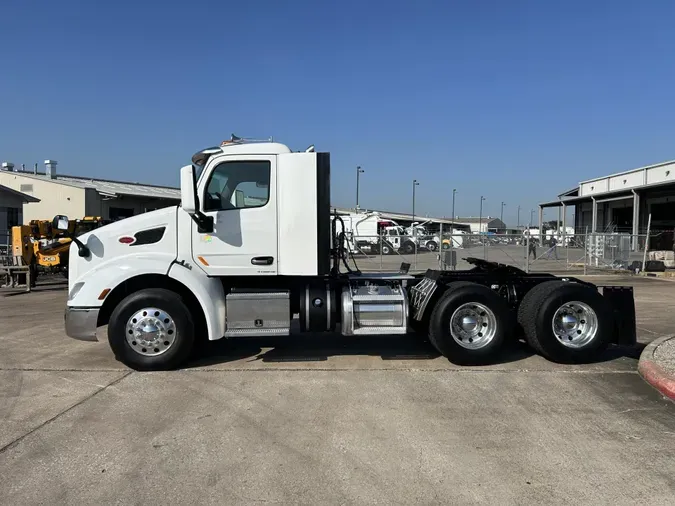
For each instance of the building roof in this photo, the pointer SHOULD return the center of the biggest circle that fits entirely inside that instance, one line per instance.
(484, 219)
(109, 187)
(26, 198)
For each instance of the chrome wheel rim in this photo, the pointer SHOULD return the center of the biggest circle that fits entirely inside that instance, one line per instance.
(473, 325)
(150, 332)
(575, 324)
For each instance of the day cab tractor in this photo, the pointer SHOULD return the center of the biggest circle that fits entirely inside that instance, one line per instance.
(251, 251)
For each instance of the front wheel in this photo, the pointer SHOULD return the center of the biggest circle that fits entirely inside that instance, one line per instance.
(151, 330)
(432, 246)
(470, 324)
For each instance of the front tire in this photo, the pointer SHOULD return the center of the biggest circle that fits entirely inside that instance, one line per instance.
(151, 330)
(470, 324)
(432, 246)
(566, 322)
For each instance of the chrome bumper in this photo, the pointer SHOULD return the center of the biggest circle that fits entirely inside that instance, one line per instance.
(81, 323)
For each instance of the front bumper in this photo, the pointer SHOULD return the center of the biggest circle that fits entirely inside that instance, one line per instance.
(81, 323)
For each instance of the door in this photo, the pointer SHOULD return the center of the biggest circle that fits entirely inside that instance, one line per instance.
(394, 238)
(239, 193)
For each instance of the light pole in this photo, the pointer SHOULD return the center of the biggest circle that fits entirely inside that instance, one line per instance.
(359, 171)
(454, 192)
(518, 224)
(414, 183)
(531, 213)
(501, 214)
(480, 216)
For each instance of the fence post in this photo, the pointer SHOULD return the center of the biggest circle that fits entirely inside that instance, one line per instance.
(440, 247)
(649, 228)
(414, 236)
(585, 249)
(527, 253)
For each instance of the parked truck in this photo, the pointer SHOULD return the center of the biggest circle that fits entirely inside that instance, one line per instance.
(249, 250)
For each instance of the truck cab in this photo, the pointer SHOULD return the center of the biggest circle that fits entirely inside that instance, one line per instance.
(252, 248)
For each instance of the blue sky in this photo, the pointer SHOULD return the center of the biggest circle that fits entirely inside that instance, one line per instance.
(514, 100)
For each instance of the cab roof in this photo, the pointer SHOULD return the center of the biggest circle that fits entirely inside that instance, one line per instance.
(237, 145)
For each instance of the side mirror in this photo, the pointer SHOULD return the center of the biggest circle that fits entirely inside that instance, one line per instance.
(188, 189)
(188, 200)
(60, 222)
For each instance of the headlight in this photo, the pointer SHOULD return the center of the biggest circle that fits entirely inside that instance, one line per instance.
(76, 289)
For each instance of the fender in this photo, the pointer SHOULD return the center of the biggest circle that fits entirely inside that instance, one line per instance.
(109, 275)
(208, 292)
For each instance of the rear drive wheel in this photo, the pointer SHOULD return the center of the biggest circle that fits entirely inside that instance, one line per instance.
(407, 248)
(432, 246)
(565, 321)
(387, 249)
(470, 323)
(151, 330)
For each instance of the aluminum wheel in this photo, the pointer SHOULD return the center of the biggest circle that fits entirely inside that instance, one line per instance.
(473, 325)
(575, 324)
(150, 332)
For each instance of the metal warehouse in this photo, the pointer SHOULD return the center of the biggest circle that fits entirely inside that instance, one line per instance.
(79, 196)
(622, 202)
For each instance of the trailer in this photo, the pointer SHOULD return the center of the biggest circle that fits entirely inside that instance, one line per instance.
(248, 253)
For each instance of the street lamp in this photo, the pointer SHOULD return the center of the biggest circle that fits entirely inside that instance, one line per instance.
(454, 191)
(518, 224)
(501, 215)
(531, 218)
(414, 183)
(359, 171)
(480, 218)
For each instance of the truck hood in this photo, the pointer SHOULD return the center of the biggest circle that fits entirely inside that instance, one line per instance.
(105, 246)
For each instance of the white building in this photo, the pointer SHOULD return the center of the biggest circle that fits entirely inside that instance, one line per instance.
(11, 211)
(77, 197)
(483, 225)
(622, 202)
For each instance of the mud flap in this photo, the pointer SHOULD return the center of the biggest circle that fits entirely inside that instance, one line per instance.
(621, 299)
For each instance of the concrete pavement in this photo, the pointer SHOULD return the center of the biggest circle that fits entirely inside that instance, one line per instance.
(326, 419)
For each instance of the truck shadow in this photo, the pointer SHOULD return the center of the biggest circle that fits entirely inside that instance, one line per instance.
(320, 347)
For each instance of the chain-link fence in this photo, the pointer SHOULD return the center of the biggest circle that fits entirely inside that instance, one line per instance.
(573, 253)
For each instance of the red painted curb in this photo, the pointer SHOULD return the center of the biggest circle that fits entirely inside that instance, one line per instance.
(657, 377)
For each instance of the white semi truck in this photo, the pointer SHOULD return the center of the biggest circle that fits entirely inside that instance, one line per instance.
(249, 250)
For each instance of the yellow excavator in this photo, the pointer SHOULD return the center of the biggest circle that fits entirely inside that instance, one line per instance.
(44, 249)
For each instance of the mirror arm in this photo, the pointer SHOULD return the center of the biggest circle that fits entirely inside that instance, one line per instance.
(204, 222)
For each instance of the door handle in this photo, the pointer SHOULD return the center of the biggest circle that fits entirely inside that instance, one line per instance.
(262, 260)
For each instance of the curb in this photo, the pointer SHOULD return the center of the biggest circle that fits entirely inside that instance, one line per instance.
(653, 373)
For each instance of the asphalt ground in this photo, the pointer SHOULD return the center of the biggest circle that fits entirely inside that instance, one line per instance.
(326, 420)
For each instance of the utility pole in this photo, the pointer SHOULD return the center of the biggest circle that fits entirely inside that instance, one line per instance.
(359, 171)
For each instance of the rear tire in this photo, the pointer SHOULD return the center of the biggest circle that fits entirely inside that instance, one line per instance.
(407, 248)
(432, 246)
(566, 322)
(151, 330)
(470, 323)
(387, 249)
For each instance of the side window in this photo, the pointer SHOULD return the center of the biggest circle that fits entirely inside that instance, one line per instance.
(238, 185)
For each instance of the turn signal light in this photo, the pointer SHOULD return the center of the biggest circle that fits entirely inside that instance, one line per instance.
(125, 239)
